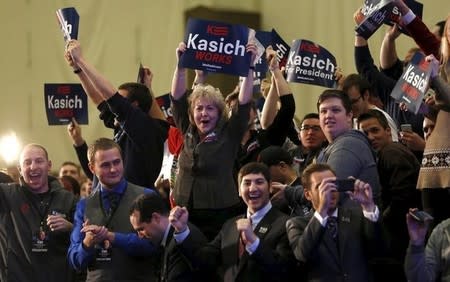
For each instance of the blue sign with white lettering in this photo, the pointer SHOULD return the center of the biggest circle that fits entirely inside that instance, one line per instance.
(69, 20)
(310, 63)
(64, 101)
(414, 83)
(216, 47)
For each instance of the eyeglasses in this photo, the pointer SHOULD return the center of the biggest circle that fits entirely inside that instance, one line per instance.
(314, 128)
(354, 101)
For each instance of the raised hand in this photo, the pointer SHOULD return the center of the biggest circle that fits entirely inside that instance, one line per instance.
(178, 217)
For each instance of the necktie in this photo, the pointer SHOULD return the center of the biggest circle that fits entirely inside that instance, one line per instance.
(242, 243)
(241, 246)
(332, 227)
(113, 199)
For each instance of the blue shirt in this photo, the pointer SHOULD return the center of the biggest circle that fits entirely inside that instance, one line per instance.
(79, 257)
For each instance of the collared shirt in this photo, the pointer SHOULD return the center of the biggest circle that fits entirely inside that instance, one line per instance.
(256, 218)
(118, 189)
(79, 257)
(166, 234)
(372, 216)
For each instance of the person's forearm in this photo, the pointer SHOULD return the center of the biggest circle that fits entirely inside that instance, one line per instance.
(89, 88)
(246, 91)
(281, 83)
(178, 83)
(388, 53)
(99, 82)
(360, 41)
(270, 107)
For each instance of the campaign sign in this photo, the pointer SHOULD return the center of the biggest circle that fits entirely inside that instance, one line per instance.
(281, 47)
(414, 83)
(69, 20)
(63, 101)
(263, 39)
(310, 63)
(216, 47)
(395, 15)
(141, 74)
(376, 15)
(164, 103)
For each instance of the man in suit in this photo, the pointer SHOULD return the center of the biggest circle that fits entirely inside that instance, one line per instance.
(149, 216)
(103, 240)
(251, 247)
(333, 244)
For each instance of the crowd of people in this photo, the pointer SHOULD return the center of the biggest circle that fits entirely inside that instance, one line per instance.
(342, 199)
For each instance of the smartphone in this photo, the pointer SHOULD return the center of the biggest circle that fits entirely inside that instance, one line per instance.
(406, 127)
(343, 185)
(421, 216)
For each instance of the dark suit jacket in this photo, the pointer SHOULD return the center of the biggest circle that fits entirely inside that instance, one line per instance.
(324, 260)
(272, 260)
(174, 265)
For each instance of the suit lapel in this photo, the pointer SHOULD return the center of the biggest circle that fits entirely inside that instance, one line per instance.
(170, 244)
(344, 220)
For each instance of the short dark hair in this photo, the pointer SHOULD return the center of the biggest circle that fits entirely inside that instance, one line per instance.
(374, 114)
(101, 144)
(273, 155)
(335, 93)
(310, 115)
(147, 204)
(72, 164)
(312, 168)
(254, 168)
(357, 80)
(140, 93)
(70, 184)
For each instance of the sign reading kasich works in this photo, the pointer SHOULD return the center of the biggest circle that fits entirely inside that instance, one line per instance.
(216, 47)
(63, 101)
(414, 83)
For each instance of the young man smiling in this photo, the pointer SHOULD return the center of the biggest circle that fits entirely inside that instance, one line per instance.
(349, 152)
(250, 247)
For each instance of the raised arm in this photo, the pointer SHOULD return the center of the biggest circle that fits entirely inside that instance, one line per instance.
(155, 110)
(278, 88)
(388, 52)
(423, 37)
(88, 87)
(246, 91)
(99, 82)
(179, 76)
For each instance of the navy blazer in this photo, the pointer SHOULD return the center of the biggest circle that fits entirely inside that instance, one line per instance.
(272, 261)
(322, 259)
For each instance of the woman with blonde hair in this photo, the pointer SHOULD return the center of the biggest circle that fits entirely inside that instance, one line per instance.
(205, 182)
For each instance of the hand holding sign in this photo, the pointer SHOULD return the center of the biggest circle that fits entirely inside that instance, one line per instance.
(271, 57)
(73, 49)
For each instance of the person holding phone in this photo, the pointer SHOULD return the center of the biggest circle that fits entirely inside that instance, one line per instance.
(335, 243)
(427, 262)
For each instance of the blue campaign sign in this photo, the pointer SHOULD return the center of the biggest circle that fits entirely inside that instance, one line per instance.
(63, 101)
(281, 47)
(310, 63)
(216, 47)
(69, 20)
(164, 104)
(414, 83)
(393, 15)
(261, 67)
(375, 15)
